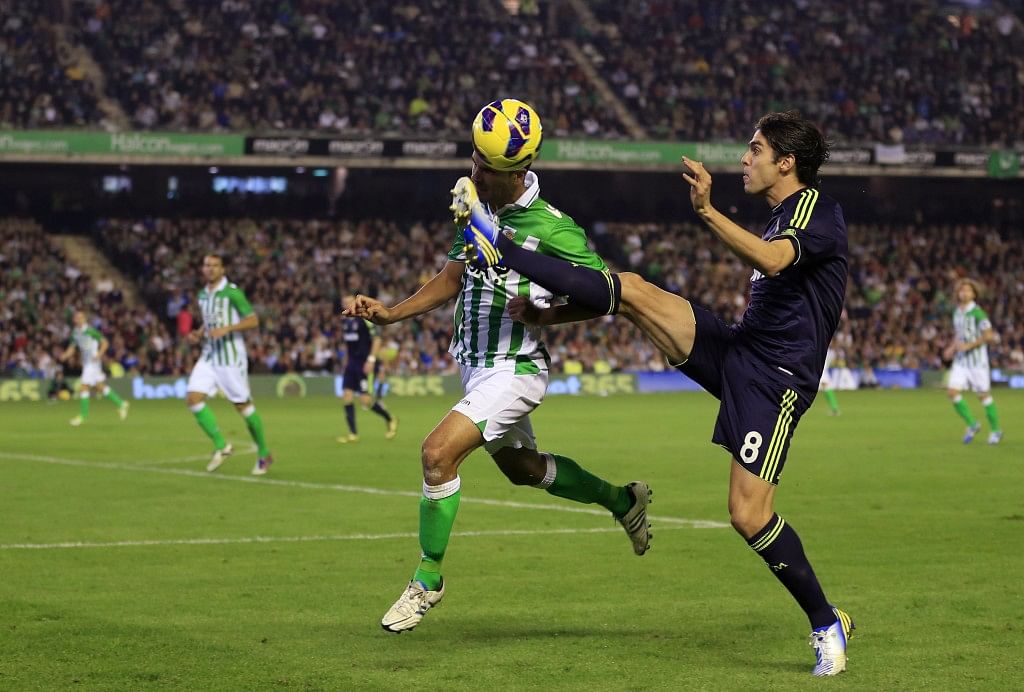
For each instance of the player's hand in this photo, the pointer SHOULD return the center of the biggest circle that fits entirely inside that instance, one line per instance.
(368, 367)
(949, 351)
(369, 309)
(699, 179)
(195, 336)
(218, 332)
(522, 310)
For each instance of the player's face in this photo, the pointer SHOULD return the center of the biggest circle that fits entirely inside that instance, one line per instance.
(965, 293)
(213, 269)
(494, 187)
(79, 319)
(760, 172)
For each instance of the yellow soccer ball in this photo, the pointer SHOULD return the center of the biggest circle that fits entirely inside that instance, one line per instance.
(507, 135)
(63, 395)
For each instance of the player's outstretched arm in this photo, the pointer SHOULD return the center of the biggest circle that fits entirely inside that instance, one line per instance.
(444, 286)
(767, 257)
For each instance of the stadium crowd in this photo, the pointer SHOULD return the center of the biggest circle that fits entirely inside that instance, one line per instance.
(296, 272)
(867, 71)
(419, 67)
(38, 87)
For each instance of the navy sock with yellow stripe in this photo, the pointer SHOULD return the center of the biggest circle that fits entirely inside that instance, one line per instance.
(780, 548)
(592, 289)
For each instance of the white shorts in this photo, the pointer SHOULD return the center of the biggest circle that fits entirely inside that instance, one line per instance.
(92, 375)
(976, 379)
(233, 380)
(499, 402)
(826, 381)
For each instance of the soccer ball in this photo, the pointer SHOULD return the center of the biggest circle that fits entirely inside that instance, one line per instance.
(507, 135)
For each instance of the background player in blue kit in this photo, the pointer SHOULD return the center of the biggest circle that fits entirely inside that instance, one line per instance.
(362, 342)
(765, 369)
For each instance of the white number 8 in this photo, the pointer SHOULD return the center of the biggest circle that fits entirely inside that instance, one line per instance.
(751, 447)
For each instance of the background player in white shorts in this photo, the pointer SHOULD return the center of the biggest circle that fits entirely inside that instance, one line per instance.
(969, 351)
(223, 363)
(91, 345)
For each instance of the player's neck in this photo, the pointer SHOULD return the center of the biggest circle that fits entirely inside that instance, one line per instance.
(782, 189)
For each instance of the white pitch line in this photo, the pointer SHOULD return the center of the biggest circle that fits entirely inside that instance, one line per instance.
(262, 480)
(197, 457)
(69, 545)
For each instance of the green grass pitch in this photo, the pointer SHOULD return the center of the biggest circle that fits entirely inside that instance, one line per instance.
(125, 566)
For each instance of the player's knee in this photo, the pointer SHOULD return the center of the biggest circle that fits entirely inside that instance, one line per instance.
(436, 460)
(748, 519)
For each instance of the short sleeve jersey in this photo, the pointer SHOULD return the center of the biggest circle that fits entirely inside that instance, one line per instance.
(359, 335)
(223, 306)
(969, 323)
(485, 335)
(792, 316)
(88, 340)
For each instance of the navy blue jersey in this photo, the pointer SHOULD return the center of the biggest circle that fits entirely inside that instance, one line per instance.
(359, 336)
(792, 316)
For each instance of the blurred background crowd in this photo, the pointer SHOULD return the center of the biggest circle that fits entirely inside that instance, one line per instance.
(913, 72)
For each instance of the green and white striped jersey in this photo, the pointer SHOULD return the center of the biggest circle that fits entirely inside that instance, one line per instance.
(969, 323)
(88, 340)
(225, 305)
(485, 336)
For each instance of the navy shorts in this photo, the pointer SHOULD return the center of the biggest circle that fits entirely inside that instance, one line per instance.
(759, 410)
(355, 379)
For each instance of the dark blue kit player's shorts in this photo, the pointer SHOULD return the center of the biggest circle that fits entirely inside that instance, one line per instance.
(354, 377)
(760, 408)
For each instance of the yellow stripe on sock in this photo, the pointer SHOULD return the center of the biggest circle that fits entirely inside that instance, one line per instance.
(769, 538)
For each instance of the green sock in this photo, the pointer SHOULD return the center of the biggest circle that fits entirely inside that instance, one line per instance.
(830, 397)
(112, 395)
(208, 423)
(992, 415)
(437, 517)
(573, 482)
(961, 408)
(83, 405)
(255, 425)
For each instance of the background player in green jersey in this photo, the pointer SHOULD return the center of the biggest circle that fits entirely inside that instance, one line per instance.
(969, 351)
(503, 363)
(91, 345)
(223, 363)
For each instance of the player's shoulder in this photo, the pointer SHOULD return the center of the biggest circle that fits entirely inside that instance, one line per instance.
(544, 214)
(812, 207)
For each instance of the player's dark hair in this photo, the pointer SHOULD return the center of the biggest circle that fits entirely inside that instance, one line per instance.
(788, 133)
(224, 258)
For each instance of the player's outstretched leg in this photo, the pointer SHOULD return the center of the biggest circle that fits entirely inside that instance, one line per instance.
(254, 423)
(486, 246)
(121, 404)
